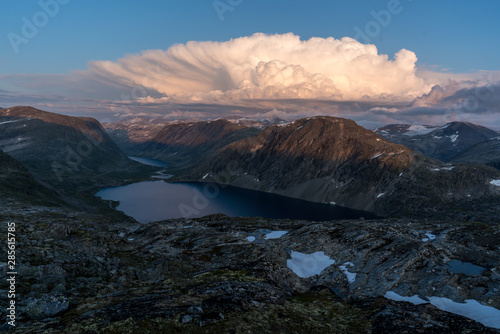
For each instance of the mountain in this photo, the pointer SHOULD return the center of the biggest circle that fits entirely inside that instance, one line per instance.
(131, 132)
(221, 274)
(17, 184)
(442, 142)
(486, 152)
(184, 144)
(327, 159)
(70, 154)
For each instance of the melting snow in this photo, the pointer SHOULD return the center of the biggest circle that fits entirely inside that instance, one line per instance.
(275, 234)
(417, 130)
(251, 238)
(380, 195)
(495, 183)
(453, 138)
(308, 265)
(10, 121)
(472, 309)
(429, 237)
(415, 300)
(351, 277)
(376, 156)
(205, 176)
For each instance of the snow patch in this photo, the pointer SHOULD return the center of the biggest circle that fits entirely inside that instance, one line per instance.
(376, 156)
(415, 300)
(275, 234)
(10, 121)
(205, 176)
(333, 203)
(380, 195)
(472, 309)
(495, 183)
(351, 277)
(308, 265)
(453, 138)
(419, 130)
(429, 237)
(251, 238)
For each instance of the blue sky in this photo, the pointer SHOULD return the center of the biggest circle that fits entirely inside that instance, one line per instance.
(453, 40)
(455, 34)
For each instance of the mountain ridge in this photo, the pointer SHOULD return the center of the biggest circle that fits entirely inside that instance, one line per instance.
(327, 159)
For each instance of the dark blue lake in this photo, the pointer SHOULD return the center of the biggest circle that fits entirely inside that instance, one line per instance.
(157, 200)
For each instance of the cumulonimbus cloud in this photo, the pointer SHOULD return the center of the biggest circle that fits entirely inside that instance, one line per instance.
(270, 67)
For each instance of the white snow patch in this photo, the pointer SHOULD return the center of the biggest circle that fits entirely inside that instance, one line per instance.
(251, 238)
(376, 156)
(11, 121)
(400, 174)
(131, 239)
(205, 176)
(275, 234)
(333, 203)
(380, 195)
(454, 138)
(415, 300)
(308, 265)
(417, 130)
(495, 183)
(351, 277)
(429, 237)
(472, 309)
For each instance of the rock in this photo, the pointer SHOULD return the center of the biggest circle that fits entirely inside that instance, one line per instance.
(186, 319)
(47, 306)
(195, 310)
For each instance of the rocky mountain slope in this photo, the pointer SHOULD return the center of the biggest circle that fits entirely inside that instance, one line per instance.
(442, 143)
(131, 132)
(327, 159)
(184, 144)
(16, 183)
(65, 153)
(90, 274)
(486, 152)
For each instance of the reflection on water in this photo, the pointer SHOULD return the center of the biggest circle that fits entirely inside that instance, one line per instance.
(459, 267)
(158, 200)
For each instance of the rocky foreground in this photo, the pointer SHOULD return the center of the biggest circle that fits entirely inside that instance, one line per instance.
(83, 273)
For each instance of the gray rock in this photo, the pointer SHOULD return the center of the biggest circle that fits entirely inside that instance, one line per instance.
(47, 306)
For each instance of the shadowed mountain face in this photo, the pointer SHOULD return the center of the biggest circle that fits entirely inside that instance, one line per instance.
(184, 144)
(442, 143)
(327, 159)
(16, 183)
(67, 153)
(486, 152)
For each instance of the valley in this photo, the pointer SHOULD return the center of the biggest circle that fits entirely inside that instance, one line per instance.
(427, 258)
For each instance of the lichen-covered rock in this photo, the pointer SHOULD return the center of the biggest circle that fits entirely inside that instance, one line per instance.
(47, 306)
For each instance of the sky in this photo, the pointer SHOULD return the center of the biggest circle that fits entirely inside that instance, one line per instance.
(377, 62)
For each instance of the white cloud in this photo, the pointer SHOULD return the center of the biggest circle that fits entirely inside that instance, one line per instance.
(269, 67)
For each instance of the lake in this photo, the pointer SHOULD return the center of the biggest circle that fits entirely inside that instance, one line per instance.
(158, 200)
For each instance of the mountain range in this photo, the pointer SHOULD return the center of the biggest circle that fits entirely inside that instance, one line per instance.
(93, 271)
(69, 155)
(334, 160)
(438, 142)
